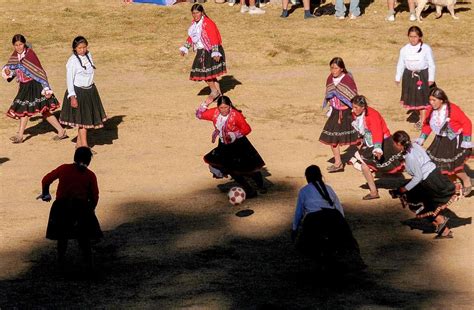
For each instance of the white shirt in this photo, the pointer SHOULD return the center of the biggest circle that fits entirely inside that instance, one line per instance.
(438, 119)
(418, 165)
(310, 200)
(336, 80)
(76, 75)
(414, 61)
(195, 31)
(220, 123)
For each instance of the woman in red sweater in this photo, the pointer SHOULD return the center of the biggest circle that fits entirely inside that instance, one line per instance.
(377, 152)
(205, 39)
(234, 154)
(452, 146)
(72, 215)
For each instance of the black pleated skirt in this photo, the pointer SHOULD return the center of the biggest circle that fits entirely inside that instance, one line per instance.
(205, 67)
(338, 129)
(415, 89)
(89, 113)
(29, 101)
(390, 162)
(239, 157)
(448, 155)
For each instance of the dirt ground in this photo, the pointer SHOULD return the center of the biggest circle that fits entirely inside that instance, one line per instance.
(171, 238)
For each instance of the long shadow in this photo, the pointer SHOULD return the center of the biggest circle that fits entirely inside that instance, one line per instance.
(106, 134)
(171, 259)
(41, 127)
(428, 228)
(347, 154)
(4, 160)
(226, 83)
(444, 11)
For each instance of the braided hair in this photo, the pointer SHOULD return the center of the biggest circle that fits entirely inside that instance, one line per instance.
(338, 62)
(438, 93)
(78, 40)
(226, 100)
(313, 175)
(419, 33)
(403, 138)
(361, 101)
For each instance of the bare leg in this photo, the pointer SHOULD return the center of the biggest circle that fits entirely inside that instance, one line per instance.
(411, 6)
(284, 4)
(466, 180)
(54, 122)
(212, 86)
(21, 129)
(337, 155)
(370, 179)
(81, 137)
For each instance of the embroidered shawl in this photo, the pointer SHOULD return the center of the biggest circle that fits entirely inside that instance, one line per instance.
(29, 65)
(345, 90)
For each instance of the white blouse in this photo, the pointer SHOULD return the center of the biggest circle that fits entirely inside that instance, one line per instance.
(438, 119)
(413, 60)
(76, 75)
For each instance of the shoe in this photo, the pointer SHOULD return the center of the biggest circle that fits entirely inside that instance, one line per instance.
(390, 18)
(370, 197)
(412, 17)
(256, 11)
(440, 227)
(262, 4)
(352, 16)
(309, 16)
(340, 17)
(449, 235)
(17, 139)
(231, 2)
(334, 169)
(244, 9)
(284, 14)
(59, 138)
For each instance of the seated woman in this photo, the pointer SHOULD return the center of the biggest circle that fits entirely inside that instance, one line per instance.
(325, 234)
(377, 152)
(452, 146)
(234, 154)
(429, 192)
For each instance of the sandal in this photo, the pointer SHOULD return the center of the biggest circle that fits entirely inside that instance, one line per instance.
(449, 235)
(370, 197)
(466, 190)
(17, 139)
(334, 169)
(440, 227)
(62, 137)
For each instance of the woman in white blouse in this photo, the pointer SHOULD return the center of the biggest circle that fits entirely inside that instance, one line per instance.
(82, 107)
(416, 70)
(429, 192)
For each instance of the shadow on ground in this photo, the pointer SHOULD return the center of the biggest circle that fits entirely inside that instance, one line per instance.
(226, 83)
(174, 259)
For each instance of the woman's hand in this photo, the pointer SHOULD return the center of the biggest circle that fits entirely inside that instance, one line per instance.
(74, 102)
(397, 83)
(430, 83)
(217, 58)
(7, 71)
(182, 53)
(48, 95)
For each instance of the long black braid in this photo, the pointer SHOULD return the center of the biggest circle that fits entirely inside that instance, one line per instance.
(403, 138)
(314, 176)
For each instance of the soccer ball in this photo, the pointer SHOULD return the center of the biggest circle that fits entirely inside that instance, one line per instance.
(236, 195)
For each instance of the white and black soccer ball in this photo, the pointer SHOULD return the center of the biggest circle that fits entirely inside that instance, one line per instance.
(236, 195)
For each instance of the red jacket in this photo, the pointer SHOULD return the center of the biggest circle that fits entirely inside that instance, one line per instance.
(458, 123)
(376, 129)
(210, 36)
(73, 183)
(236, 123)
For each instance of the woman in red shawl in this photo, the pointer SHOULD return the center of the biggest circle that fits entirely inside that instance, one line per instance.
(340, 89)
(209, 62)
(34, 95)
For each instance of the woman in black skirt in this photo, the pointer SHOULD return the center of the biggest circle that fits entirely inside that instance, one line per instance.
(34, 95)
(416, 70)
(82, 107)
(234, 155)
(377, 152)
(451, 147)
(205, 39)
(340, 89)
(72, 215)
(429, 192)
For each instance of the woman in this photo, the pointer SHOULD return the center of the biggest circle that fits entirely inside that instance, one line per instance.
(377, 152)
(209, 62)
(452, 146)
(82, 104)
(234, 155)
(340, 89)
(34, 94)
(72, 215)
(416, 69)
(325, 234)
(429, 192)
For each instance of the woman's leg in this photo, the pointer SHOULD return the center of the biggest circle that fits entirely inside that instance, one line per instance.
(212, 86)
(18, 138)
(336, 151)
(370, 180)
(81, 137)
(54, 122)
(466, 182)
(245, 185)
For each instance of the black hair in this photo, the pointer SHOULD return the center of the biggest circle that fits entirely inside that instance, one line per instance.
(403, 138)
(78, 40)
(440, 94)
(338, 62)
(82, 157)
(226, 100)
(313, 175)
(18, 37)
(360, 101)
(419, 33)
(198, 7)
